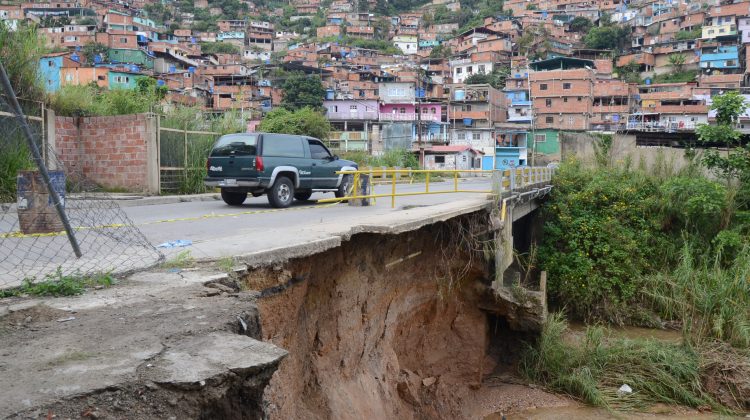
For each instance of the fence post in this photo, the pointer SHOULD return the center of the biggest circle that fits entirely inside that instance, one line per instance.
(512, 179)
(16, 107)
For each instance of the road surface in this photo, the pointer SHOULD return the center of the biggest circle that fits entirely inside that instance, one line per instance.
(217, 230)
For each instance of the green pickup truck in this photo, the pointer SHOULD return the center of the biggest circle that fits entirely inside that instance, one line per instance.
(283, 166)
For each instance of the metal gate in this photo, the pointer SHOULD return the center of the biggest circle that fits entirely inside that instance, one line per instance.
(182, 159)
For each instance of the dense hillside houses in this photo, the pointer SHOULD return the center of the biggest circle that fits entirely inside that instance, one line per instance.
(502, 83)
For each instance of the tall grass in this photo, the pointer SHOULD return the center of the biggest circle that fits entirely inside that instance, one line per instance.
(594, 369)
(710, 297)
(199, 145)
(14, 157)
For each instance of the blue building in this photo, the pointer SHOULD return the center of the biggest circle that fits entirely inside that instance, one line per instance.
(511, 150)
(720, 57)
(49, 68)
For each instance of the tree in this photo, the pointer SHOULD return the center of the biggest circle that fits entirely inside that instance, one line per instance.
(305, 121)
(93, 49)
(609, 37)
(300, 90)
(580, 24)
(219, 48)
(441, 51)
(677, 61)
(496, 79)
(736, 164)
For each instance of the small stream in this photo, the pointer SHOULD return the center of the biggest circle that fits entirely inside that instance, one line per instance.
(591, 413)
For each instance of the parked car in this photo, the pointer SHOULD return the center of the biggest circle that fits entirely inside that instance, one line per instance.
(282, 166)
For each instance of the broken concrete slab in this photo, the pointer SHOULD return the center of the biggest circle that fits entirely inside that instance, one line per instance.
(157, 319)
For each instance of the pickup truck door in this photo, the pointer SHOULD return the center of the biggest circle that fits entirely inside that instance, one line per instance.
(322, 164)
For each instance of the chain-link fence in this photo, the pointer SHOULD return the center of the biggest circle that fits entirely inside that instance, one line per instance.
(33, 239)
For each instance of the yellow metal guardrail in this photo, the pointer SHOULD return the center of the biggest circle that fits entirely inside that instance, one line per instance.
(508, 180)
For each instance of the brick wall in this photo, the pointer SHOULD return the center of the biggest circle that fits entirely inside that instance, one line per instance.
(109, 151)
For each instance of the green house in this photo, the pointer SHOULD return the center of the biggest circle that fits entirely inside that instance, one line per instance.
(546, 142)
(127, 56)
(123, 80)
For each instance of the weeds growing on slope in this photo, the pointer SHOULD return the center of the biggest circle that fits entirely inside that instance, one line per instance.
(58, 284)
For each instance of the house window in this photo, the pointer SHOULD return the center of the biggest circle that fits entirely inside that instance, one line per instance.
(565, 99)
(335, 108)
(580, 99)
(481, 68)
(352, 107)
(549, 120)
(439, 159)
(571, 120)
(434, 110)
(476, 136)
(543, 86)
(458, 70)
(403, 110)
(566, 86)
(540, 138)
(51, 63)
(123, 40)
(548, 103)
(731, 63)
(461, 135)
(424, 110)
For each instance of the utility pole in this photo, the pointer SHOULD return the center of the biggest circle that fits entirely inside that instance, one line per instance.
(419, 118)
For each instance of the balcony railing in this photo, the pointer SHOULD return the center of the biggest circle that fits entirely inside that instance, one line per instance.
(410, 116)
(658, 126)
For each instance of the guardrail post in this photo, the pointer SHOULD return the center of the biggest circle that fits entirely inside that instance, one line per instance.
(455, 181)
(513, 180)
(427, 183)
(393, 190)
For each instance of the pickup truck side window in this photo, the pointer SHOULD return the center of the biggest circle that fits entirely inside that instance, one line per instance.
(283, 146)
(317, 150)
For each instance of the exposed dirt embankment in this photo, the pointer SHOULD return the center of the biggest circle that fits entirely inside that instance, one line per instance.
(386, 326)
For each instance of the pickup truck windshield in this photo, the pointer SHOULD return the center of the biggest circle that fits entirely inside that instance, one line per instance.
(236, 145)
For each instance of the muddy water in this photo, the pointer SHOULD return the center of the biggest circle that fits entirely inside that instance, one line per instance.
(590, 413)
(673, 336)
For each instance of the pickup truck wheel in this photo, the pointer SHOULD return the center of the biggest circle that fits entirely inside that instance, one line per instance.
(281, 194)
(233, 198)
(346, 186)
(302, 195)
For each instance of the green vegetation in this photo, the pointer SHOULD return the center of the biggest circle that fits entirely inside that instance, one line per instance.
(305, 121)
(59, 284)
(496, 79)
(184, 259)
(92, 49)
(689, 35)
(441, 51)
(581, 24)
(91, 100)
(301, 91)
(595, 368)
(631, 246)
(391, 158)
(735, 166)
(219, 48)
(675, 77)
(20, 52)
(199, 145)
(608, 36)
